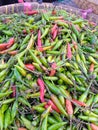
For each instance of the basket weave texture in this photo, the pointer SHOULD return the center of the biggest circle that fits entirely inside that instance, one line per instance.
(86, 4)
(17, 8)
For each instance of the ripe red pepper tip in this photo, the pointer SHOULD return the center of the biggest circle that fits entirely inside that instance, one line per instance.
(54, 107)
(79, 102)
(53, 70)
(30, 66)
(69, 53)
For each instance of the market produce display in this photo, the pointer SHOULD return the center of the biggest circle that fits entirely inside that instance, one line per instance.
(48, 71)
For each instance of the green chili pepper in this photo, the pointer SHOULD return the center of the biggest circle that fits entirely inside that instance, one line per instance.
(7, 118)
(57, 103)
(82, 98)
(65, 78)
(89, 113)
(92, 60)
(43, 61)
(78, 21)
(21, 70)
(52, 87)
(62, 100)
(44, 123)
(4, 107)
(35, 59)
(53, 52)
(1, 120)
(74, 37)
(56, 126)
(53, 78)
(27, 123)
(7, 101)
(38, 109)
(58, 45)
(14, 110)
(24, 101)
(88, 49)
(5, 94)
(90, 100)
(6, 87)
(45, 33)
(35, 95)
(7, 32)
(52, 120)
(88, 118)
(75, 30)
(95, 98)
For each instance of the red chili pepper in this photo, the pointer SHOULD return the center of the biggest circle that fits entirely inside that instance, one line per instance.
(54, 28)
(14, 91)
(32, 12)
(75, 44)
(69, 53)
(53, 106)
(4, 51)
(3, 46)
(93, 126)
(40, 49)
(53, 70)
(10, 42)
(91, 67)
(79, 103)
(39, 42)
(55, 34)
(13, 52)
(69, 107)
(40, 82)
(30, 66)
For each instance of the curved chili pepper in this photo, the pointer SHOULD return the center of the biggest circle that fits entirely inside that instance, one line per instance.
(69, 107)
(30, 66)
(3, 46)
(53, 70)
(39, 43)
(40, 82)
(54, 28)
(79, 102)
(55, 34)
(10, 42)
(13, 52)
(53, 106)
(69, 53)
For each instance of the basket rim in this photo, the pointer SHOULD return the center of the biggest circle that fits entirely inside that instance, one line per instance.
(68, 8)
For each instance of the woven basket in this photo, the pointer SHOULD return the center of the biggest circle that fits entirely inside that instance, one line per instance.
(17, 8)
(86, 4)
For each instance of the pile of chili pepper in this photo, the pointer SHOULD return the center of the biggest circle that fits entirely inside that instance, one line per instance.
(48, 71)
